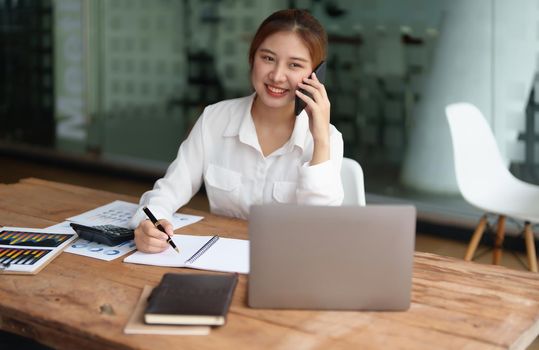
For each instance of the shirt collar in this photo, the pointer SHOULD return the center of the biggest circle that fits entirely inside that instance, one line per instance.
(236, 124)
(244, 127)
(301, 130)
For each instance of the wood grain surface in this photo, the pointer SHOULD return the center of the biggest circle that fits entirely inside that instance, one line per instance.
(82, 303)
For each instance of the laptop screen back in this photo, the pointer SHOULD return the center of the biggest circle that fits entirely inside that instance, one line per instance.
(336, 258)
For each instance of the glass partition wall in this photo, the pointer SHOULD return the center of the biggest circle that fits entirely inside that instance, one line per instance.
(123, 81)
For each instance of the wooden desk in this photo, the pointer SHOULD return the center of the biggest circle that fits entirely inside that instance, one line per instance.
(455, 304)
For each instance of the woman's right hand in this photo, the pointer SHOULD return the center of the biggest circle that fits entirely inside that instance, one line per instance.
(149, 239)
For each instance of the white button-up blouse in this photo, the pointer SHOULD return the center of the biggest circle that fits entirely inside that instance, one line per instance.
(222, 150)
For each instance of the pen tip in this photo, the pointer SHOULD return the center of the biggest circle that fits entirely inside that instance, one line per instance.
(177, 250)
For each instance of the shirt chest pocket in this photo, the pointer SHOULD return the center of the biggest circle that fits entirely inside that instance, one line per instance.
(223, 188)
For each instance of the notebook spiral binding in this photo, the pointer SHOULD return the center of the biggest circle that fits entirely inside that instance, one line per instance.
(202, 250)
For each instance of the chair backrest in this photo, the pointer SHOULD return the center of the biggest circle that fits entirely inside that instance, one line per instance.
(478, 162)
(352, 180)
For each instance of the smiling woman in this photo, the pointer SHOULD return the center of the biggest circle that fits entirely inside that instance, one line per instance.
(254, 150)
(284, 51)
(280, 64)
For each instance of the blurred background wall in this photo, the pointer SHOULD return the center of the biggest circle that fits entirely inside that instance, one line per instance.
(121, 82)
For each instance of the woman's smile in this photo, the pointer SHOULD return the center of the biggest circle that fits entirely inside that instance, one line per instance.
(279, 64)
(276, 91)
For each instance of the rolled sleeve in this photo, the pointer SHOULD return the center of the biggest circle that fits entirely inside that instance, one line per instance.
(321, 184)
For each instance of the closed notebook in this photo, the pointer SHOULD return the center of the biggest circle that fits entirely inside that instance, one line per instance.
(191, 299)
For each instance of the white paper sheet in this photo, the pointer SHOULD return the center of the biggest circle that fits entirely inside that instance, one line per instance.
(120, 212)
(226, 255)
(115, 213)
(100, 251)
(93, 249)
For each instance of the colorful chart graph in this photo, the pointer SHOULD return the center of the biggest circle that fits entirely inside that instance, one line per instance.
(32, 239)
(21, 256)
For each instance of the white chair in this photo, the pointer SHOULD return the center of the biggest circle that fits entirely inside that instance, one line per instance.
(486, 183)
(352, 180)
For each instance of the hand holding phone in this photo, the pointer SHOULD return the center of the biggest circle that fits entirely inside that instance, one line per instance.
(320, 72)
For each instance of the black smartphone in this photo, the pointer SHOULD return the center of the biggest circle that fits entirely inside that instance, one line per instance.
(320, 72)
(106, 234)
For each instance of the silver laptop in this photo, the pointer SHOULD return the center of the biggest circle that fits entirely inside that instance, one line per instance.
(332, 258)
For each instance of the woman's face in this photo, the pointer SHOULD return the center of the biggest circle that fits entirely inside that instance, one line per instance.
(280, 63)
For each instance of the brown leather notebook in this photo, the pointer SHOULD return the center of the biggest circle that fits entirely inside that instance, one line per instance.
(136, 324)
(191, 299)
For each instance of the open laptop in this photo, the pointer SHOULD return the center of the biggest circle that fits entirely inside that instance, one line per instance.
(332, 258)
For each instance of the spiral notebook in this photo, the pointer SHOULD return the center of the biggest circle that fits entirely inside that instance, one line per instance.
(200, 252)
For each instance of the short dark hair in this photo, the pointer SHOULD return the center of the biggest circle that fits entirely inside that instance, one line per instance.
(298, 21)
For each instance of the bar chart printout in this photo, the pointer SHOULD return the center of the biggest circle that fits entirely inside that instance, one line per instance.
(27, 251)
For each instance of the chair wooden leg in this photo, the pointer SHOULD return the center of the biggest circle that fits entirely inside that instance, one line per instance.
(476, 237)
(498, 243)
(530, 247)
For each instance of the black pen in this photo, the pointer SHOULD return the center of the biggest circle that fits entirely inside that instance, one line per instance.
(160, 228)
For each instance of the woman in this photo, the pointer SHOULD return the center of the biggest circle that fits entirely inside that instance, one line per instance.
(254, 149)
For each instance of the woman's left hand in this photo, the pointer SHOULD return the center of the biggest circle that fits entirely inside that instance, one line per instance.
(318, 109)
